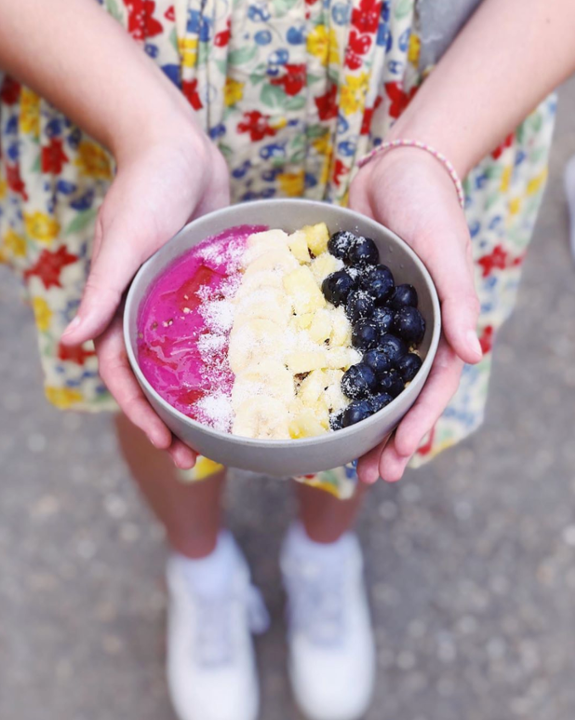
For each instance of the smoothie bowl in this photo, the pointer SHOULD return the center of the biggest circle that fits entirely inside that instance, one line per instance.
(283, 337)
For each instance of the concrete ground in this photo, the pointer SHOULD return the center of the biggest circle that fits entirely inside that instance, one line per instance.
(470, 563)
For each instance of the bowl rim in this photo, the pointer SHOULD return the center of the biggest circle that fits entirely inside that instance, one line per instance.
(259, 443)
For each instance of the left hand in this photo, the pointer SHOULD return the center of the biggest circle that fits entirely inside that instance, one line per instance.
(409, 192)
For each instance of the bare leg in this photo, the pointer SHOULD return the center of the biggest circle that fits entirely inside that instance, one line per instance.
(190, 513)
(325, 517)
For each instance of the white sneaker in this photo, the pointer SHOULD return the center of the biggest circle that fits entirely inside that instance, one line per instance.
(211, 664)
(331, 647)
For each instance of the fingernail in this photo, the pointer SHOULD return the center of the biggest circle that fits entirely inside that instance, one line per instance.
(473, 342)
(72, 326)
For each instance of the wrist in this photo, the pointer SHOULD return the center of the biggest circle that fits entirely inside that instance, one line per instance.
(443, 139)
(166, 124)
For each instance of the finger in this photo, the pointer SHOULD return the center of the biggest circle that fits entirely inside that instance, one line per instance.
(452, 273)
(114, 263)
(118, 377)
(184, 457)
(440, 387)
(368, 465)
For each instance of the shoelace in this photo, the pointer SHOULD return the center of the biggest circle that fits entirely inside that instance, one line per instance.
(214, 639)
(316, 600)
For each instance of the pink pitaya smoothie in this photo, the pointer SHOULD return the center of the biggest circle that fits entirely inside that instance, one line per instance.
(184, 325)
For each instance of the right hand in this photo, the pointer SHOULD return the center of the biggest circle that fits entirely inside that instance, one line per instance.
(158, 188)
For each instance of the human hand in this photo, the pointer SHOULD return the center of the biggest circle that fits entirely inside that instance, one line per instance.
(411, 193)
(158, 188)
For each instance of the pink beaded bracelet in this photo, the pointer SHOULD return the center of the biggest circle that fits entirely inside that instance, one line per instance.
(384, 147)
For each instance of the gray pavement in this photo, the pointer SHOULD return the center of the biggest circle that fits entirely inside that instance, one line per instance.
(470, 562)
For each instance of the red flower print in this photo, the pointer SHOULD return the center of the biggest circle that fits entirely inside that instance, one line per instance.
(76, 353)
(15, 182)
(368, 116)
(53, 157)
(358, 45)
(498, 260)
(366, 123)
(366, 17)
(49, 265)
(170, 14)
(399, 99)
(498, 152)
(326, 105)
(190, 90)
(10, 91)
(486, 339)
(141, 23)
(339, 170)
(293, 80)
(222, 38)
(426, 449)
(257, 125)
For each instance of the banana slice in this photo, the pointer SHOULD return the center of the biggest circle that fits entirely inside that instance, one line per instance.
(269, 378)
(278, 260)
(252, 341)
(263, 418)
(256, 281)
(267, 303)
(261, 243)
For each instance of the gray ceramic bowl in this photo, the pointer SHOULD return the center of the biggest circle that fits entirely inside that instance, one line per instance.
(282, 458)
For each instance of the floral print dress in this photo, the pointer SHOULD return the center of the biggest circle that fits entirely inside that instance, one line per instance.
(293, 92)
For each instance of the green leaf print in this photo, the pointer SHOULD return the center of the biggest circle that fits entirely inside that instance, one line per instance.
(203, 54)
(295, 103)
(114, 10)
(404, 7)
(174, 38)
(281, 7)
(242, 55)
(37, 166)
(222, 66)
(273, 96)
(82, 220)
(315, 131)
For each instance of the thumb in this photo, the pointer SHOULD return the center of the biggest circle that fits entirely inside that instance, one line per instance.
(114, 262)
(452, 273)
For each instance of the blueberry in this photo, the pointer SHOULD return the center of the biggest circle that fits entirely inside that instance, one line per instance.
(403, 295)
(379, 401)
(340, 242)
(377, 360)
(393, 347)
(362, 252)
(356, 412)
(359, 305)
(365, 334)
(335, 420)
(358, 381)
(391, 382)
(383, 318)
(409, 324)
(378, 282)
(408, 366)
(337, 286)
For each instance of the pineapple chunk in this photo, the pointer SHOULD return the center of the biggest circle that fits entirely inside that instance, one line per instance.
(317, 237)
(312, 388)
(302, 322)
(324, 265)
(341, 358)
(307, 423)
(298, 245)
(305, 361)
(333, 398)
(303, 289)
(340, 328)
(320, 329)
